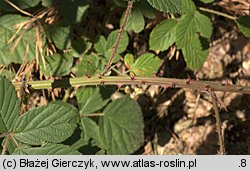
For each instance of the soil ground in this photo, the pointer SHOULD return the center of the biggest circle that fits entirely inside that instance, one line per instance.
(184, 121)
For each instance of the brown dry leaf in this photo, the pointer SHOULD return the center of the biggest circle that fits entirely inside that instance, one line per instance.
(236, 7)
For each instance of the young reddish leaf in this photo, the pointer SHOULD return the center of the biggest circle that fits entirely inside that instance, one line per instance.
(129, 60)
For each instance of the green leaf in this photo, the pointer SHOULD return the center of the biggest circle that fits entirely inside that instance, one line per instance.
(80, 143)
(189, 25)
(112, 40)
(10, 75)
(81, 11)
(163, 35)
(173, 6)
(135, 21)
(9, 105)
(129, 60)
(146, 9)
(74, 120)
(57, 65)
(203, 25)
(143, 6)
(188, 7)
(72, 11)
(121, 127)
(11, 145)
(26, 43)
(51, 123)
(185, 30)
(49, 149)
(207, 1)
(101, 45)
(146, 65)
(80, 47)
(61, 36)
(196, 52)
(90, 100)
(91, 130)
(23, 4)
(88, 65)
(105, 47)
(47, 3)
(243, 23)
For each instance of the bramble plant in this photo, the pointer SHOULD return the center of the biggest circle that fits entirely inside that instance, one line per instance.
(51, 44)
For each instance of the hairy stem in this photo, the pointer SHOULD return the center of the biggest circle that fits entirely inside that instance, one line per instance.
(217, 13)
(126, 80)
(218, 123)
(91, 115)
(118, 39)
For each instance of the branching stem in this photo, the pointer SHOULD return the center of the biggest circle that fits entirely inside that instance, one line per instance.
(118, 39)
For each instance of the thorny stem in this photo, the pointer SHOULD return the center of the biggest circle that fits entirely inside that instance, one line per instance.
(118, 39)
(218, 123)
(217, 13)
(122, 80)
